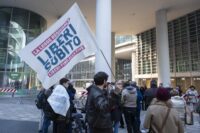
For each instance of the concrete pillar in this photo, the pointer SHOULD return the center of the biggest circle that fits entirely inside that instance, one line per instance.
(103, 37)
(162, 44)
(133, 65)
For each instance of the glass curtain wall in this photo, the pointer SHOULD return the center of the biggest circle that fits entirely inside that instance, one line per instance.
(184, 49)
(123, 69)
(18, 27)
(84, 71)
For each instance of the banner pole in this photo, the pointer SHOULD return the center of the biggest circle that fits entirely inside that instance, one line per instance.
(107, 64)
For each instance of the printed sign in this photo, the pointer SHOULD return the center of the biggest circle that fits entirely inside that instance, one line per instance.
(53, 54)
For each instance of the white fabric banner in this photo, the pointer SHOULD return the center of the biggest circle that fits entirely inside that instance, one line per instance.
(59, 100)
(54, 53)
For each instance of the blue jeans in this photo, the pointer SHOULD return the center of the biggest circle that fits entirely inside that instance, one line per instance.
(45, 125)
(116, 126)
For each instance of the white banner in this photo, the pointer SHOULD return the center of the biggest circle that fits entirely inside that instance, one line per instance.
(54, 53)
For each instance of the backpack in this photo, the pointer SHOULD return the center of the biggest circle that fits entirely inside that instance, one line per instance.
(40, 100)
(42, 103)
(48, 111)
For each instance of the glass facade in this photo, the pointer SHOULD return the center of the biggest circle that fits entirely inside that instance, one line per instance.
(184, 47)
(123, 69)
(146, 52)
(124, 38)
(84, 71)
(17, 28)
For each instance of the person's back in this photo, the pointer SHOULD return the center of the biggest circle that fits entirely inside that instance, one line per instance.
(139, 99)
(97, 107)
(129, 101)
(150, 93)
(157, 111)
(161, 117)
(129, 97)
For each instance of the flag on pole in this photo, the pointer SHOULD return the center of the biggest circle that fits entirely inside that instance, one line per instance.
(54, 53)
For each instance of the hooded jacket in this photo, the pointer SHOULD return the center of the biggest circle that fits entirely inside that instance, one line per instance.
(129, 97)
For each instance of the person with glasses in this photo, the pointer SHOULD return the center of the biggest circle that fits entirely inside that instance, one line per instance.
(116, 111)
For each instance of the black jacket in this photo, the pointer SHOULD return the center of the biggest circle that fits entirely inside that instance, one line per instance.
(116, 110)
(98, 109)
(149, 95)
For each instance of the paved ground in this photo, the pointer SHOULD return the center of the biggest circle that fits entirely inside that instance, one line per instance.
(16, 126)
(21, 116)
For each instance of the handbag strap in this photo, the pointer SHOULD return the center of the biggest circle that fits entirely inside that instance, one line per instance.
(165, 120)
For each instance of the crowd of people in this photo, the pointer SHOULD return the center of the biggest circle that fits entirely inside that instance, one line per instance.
(109, 104)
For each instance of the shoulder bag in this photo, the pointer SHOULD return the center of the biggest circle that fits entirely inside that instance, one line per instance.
(164, 122)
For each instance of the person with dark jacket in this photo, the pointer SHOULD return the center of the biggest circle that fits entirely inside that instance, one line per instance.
(142, 90)
(139, 100)
(71, 92)
(150, 93)
(61, 124)
(46, 121)
(120, 84)
(98, 107)
(116, 110)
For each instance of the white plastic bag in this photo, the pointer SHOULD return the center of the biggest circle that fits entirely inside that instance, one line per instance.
(59, 100)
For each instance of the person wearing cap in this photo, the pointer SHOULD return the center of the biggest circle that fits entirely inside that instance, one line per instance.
(161, 117)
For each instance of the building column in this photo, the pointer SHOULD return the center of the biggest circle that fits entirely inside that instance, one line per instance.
(162, 44)
(133, 65)
(103, 37)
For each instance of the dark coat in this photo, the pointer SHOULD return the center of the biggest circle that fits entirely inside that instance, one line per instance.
(71, 92)
(116, 110)
(149, 95)
(98, 109)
